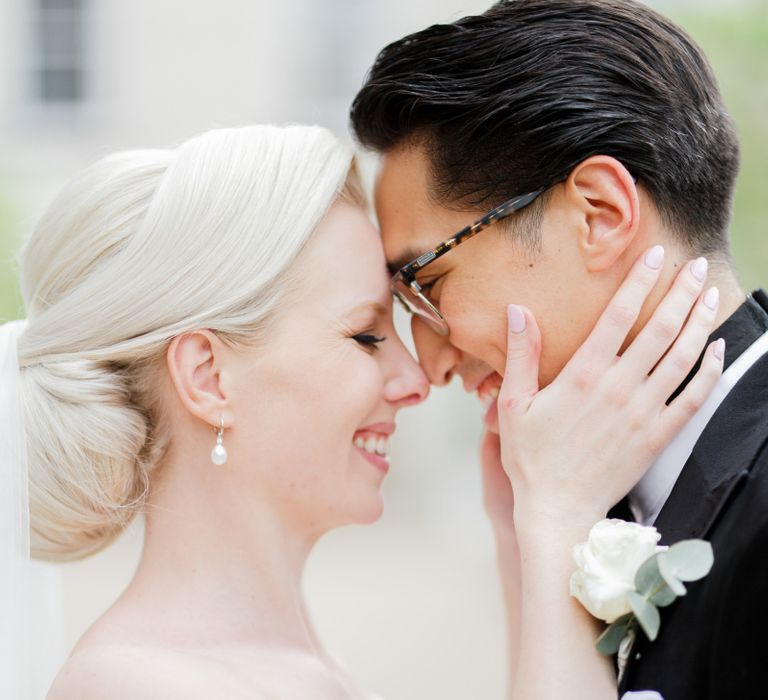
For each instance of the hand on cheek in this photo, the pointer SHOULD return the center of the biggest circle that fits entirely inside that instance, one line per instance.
(574, 448)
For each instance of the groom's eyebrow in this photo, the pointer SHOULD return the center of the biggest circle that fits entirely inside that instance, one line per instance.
(402, 260)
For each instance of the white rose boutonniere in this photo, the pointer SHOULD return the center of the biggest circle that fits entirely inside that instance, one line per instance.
(607, 565)
(624, 576)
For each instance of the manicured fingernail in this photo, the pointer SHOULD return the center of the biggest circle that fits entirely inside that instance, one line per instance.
(712, 297)
(720, 348)
(516, 319)
(655, 257)
(699, 269)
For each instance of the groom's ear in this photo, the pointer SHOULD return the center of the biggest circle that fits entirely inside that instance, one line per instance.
(608, 210)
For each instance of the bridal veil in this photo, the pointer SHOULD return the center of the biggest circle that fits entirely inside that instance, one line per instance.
(30, 596)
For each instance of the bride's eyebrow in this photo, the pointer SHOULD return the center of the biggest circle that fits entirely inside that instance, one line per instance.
(373, 306)
(365, 315)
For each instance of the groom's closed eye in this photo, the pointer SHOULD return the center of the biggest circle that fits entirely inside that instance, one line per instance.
(429, 287)
(426, 286)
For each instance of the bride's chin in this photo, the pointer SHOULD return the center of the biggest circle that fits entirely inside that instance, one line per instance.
(370, 511)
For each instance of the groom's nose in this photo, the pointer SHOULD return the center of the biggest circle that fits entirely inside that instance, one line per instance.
(437, 356)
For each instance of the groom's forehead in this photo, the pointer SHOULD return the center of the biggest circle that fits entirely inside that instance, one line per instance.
(402, 184)
(410, 221)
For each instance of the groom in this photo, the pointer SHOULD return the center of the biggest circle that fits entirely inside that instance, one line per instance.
(609, 117)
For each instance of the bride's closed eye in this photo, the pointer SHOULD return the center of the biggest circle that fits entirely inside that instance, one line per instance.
(368, 340)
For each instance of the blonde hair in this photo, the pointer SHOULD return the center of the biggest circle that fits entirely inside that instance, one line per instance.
(140, 247)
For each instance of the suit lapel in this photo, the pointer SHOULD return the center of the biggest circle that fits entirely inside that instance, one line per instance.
(740, 330)
(721, 459)
(718, 466)
(694, 491)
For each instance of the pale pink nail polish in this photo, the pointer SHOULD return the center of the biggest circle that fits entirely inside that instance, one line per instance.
(699, 269)
(655, 257)
(516, 319)
(712, 297)
(720, 348)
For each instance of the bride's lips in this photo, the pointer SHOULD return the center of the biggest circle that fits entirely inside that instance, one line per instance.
(372, 442)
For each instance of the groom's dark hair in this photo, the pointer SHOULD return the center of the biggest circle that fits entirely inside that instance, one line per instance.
(511, 100)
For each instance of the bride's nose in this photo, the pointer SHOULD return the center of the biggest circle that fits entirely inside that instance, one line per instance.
(406, 383)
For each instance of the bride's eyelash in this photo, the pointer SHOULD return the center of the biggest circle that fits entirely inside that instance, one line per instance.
(368, 340)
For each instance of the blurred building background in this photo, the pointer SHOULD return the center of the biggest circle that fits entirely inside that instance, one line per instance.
(411, 603)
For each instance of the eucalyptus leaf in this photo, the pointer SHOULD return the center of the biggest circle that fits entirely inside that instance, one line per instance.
(650, 583)
(648, 578)
(646, 613)
(625, 620)
(668, 571)
(663, 597)
(609, 641)
(690, 560)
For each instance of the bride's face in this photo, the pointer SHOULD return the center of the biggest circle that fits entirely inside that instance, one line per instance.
(316, 406)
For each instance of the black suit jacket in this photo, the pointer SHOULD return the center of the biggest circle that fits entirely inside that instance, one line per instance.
(713, 643)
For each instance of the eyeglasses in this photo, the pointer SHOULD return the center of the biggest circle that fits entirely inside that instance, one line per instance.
(409, 292)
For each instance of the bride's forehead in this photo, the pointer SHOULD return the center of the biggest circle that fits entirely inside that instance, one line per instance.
(344, 257)
(345, 240)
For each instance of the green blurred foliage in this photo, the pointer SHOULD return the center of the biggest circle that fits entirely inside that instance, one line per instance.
(10, 299)
(735, 37)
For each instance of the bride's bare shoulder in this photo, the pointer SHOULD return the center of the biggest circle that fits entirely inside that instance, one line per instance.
(118, 672)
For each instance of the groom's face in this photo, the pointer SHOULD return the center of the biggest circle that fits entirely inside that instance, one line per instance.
(473, 283)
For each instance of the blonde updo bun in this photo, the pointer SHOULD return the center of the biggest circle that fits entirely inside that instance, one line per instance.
(140, 247)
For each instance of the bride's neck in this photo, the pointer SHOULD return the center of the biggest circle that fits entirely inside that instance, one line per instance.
(230, 571)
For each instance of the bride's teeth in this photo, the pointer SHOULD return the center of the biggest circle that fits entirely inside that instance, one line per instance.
(495, 392)
(373, 444)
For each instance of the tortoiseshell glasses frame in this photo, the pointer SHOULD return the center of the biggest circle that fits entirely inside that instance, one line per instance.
(409, 291)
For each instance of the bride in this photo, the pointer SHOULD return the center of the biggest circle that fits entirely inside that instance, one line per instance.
(210, 343)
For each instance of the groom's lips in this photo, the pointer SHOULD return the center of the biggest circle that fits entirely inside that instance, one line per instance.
(491, 382)
(491, 419)
(487, 391)
(483, 383)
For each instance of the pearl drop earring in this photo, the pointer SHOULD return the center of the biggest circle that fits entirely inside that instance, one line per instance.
(219, 452)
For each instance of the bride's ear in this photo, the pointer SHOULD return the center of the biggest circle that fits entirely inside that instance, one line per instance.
(606, 197)
(195, 363)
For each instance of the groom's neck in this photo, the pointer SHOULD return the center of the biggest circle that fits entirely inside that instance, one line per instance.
(721, 274)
